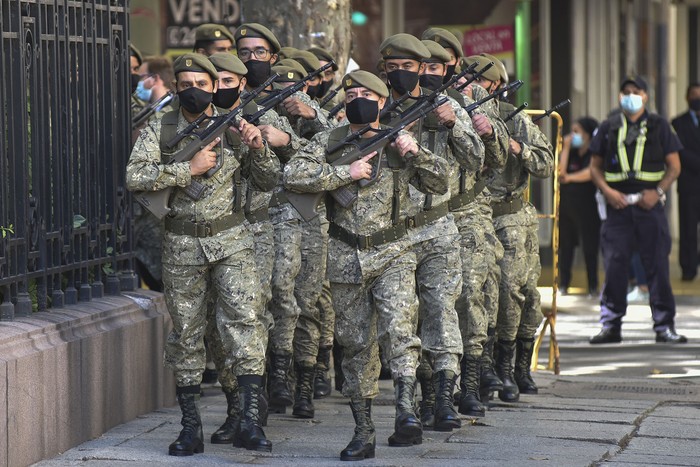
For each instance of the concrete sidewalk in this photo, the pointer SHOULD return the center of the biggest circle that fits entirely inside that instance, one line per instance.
(635, 403)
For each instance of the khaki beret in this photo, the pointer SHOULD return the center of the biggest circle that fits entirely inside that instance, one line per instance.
(307, 60)
(403, 46)
(287, 73)
(286, 52)
(134, 52)
(498, 65)
(291, 63)
(323, 54)
(365, 79)
(445, 38)
(195, 62)
(491, 74)
(212, 32)
(257, 30)
(437, 52)
(224, 61)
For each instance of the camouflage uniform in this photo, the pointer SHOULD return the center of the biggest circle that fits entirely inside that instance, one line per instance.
(372, 288)
(195, 267)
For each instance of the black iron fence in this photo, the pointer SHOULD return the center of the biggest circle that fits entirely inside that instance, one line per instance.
(64, 210)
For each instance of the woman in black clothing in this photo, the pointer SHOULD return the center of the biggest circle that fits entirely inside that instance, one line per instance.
(578, 214)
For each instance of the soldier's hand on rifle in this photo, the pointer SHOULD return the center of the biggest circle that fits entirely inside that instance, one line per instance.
(446, 115)
(482, 125)
(361, 168)
(275, 138)
(250, 134)
(205, 159)
(405, 144)
(296, 108)
(515, 148)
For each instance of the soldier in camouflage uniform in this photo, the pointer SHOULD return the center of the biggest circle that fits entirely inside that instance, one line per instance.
(212, 38)
(208, 249)
(516, 224)
(257, 47)
(135, 61)
(372, 274)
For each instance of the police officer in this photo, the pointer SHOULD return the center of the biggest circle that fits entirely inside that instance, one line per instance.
(206, 248)
(212, 38)
(635, 151)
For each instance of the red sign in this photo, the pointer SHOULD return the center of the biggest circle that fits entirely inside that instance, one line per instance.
(490, 39)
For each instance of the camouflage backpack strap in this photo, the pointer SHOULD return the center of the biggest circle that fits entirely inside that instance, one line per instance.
(168, 131)
(504, 109)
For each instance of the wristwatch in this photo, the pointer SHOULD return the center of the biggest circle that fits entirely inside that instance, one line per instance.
(662, 194)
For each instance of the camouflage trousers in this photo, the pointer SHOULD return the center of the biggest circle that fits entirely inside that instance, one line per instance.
(519, 312)
(264, 251)
(188, 291)
(383, 305)
(327, 314)
(439, 281)
(478, 259)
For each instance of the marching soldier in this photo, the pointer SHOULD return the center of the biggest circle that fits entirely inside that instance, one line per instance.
(212, 38)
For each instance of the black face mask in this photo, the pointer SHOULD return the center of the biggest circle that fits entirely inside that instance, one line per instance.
(324, 87)
(694, 104)
(225, 98)
(258, 72)
(403, 81)
(134, 82)
(431, 82)
(314, 91)
(195, 100)
(449, 74)
(360, 110)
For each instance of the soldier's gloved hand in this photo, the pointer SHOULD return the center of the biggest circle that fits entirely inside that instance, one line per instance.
(446, 115)
(482, 125)
(275, 138)
(205, 159)
(361, 168)
(250, 134)
(615, 198)
(405, 144)
(295, 107)
(515, 148)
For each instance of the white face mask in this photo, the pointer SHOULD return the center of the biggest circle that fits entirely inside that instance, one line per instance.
(631, 103)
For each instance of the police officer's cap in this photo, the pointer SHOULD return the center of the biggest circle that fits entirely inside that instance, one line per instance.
(260, 31)
(134, 52)
(637, 81)
(365, 79)
(491, 74)
(224, 61)
(503, 74)
(195, 62)
(323, 54)
(445, 38)
(403, 46)
(286, 52)
(437, 52)
(307, 60)
(212, 32)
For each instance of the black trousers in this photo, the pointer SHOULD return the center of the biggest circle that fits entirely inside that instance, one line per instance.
(578, 224)
(688, 217)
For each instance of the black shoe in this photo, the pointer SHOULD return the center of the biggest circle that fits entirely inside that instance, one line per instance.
(364, 442)
(687, 277)
(408, 429)
(249, 434)
(190, 440)
(669, 336)
(609, 336)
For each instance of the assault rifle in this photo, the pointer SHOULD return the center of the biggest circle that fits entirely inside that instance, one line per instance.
(547, 113)
(157, 201)
(146, 113)
(476, 75)
(306, 203)
(515, 112)
(329, 97)
(514, 86)
(337, 108)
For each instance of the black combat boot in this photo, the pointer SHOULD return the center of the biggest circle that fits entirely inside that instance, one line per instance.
(407, 428)
(303, 395)
(504, 370)
(227, 431)
(322, 380)
(280, 396)
(490, 382)
(191, 438)
(446, 418)
(427, 403)
(364, 441)
(523, 359)
(249, 434)
(470, 402)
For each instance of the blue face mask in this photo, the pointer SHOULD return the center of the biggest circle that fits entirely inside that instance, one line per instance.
(143, 93)
(576, 140)
(631, 103)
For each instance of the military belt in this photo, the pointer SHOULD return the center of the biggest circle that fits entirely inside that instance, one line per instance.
(204, 228)
(426, 217)
(467, 197)
(363, 242)
(501, 208)
(278, 198)
(259, 215)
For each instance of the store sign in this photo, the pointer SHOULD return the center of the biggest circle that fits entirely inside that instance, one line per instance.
(184, 16)
(494, 40)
